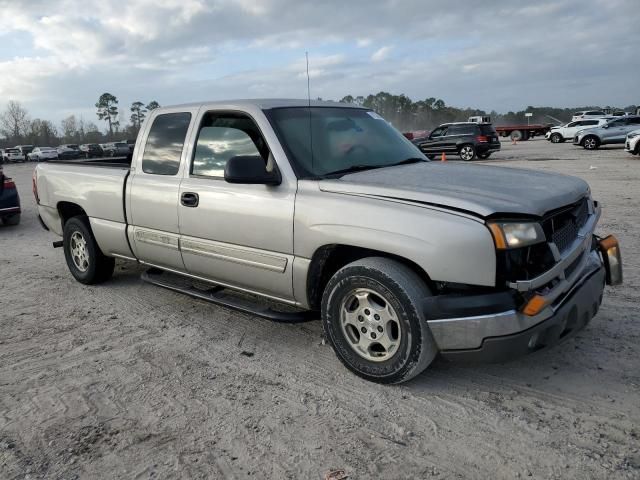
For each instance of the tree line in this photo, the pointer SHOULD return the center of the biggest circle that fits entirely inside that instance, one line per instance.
(406, 114)
(18, 128)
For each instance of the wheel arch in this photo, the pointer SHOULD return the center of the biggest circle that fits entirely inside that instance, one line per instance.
(68, 210)
(328, 259)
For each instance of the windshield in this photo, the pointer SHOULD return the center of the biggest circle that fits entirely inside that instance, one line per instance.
(343, 138)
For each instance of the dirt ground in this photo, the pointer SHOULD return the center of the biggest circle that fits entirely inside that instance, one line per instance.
(126, 380)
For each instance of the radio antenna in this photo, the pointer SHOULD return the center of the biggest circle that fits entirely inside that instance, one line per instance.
(306, 54)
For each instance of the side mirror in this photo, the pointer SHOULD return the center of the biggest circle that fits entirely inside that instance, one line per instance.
(250, 170)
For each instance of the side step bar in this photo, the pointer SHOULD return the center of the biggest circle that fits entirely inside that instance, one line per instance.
(216, 294)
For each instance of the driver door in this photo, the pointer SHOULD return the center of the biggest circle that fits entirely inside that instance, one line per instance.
(435, 142)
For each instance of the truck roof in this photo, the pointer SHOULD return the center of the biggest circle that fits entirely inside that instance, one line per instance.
(266, 103)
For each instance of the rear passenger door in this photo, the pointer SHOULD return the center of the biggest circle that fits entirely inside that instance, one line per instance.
(153, 190)
(236, 234)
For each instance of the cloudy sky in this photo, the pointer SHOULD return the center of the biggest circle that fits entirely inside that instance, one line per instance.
(58, 56)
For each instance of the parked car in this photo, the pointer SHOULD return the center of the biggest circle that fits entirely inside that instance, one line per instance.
(25, 150)
(586, 114)
(568, 131)
(43, 153)
(69, 151)
(11, 155)
(467, 139)
(9, 201)
(632, 144)
(116, 149)
(613, 132)
(91, 150)
(401, 258)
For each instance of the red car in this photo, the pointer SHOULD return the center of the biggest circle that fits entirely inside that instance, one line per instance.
(9, 201)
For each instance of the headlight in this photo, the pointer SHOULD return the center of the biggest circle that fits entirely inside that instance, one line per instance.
(516, 234)
(633, 134)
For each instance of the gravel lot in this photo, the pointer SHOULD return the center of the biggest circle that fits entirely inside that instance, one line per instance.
(127, 380)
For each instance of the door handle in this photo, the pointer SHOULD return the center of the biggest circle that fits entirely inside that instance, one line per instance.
(189, 199)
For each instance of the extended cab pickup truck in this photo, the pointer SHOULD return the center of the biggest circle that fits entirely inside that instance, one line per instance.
(327, 208)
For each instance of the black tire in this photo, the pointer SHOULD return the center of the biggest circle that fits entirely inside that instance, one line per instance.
(99, 267)
(467, 152)
(484, 156)
(590, 142)
(556, 138)
(13, 220)
(404, 291)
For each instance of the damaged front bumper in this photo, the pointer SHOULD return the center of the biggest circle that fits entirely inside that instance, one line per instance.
(504, 326)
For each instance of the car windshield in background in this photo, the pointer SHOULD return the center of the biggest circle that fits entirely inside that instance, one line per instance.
(343, 139)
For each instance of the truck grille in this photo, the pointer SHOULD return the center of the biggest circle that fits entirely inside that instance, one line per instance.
(563, 227)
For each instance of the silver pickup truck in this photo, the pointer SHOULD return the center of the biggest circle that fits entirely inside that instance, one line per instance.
(325, 208)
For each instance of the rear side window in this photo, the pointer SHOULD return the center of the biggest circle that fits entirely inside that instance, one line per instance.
(223, 136)
(488, 130)
(461, 130)
(590, 122)
(633, 121)
(164, 145)
(595, 112)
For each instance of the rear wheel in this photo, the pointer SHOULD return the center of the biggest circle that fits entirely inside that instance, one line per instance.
(556, 138)
(84, 258)
(467, 152)
(372, 317)
(591, 143)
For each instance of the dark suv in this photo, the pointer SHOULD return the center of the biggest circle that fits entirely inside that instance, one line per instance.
(467, 139)
(91, 150)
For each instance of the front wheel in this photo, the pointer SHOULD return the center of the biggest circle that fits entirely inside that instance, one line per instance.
(372, 317)
(84, 258)
(556, 138)
(590, 143)
(467, 153)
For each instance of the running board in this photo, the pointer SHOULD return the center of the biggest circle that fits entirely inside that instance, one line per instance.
(224, 297)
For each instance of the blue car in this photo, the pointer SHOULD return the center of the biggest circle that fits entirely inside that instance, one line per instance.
(9, 201)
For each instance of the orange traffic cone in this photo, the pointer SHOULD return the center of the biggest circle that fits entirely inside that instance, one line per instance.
(514, 141)
(444, 157)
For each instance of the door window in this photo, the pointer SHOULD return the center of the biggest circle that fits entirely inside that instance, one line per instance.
(438, 132)
(223, 136)
(164, 145)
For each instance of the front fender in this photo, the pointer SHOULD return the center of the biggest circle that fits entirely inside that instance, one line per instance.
(449, 246)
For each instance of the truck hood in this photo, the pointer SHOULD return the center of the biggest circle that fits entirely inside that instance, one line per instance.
(483, 190)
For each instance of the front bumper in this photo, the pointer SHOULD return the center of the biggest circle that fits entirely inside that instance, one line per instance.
(527, 334)
(495, 327)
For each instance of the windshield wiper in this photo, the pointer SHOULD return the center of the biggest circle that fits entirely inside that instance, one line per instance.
(360, 168)
(352, 169)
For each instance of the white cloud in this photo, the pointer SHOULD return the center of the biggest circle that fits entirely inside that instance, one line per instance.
(381, 54)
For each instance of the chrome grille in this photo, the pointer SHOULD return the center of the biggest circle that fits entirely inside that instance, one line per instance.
(564, 226)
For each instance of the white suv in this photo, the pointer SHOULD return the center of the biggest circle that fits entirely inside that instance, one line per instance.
(632, 144)
(568, 131)
(585, 114)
